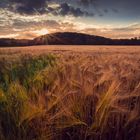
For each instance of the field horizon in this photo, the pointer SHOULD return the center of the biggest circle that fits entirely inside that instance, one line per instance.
(69, 38)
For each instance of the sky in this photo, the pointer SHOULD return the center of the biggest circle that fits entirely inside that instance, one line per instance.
(27, 19)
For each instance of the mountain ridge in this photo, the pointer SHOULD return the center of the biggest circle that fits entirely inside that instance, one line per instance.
(68, 38)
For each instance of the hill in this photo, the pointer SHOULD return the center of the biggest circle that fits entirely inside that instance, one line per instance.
(68, 38)
(14, 42)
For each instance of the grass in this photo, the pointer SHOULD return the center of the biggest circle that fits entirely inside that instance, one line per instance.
(70, 95)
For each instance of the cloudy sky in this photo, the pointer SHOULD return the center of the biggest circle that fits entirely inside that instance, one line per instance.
(32, 18)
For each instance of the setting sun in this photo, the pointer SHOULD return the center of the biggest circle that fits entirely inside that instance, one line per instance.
(41, 31)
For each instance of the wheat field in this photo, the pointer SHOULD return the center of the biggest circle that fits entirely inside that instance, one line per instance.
(70, 93)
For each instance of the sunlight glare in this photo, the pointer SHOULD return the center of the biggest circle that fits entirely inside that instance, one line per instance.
(41, 31)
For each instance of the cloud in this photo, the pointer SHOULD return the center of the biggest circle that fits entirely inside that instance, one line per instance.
(87, 2)
(129, 31)
(20, 24)
(29, 6)
(66, 9)
(129, 28)
(23, 17)
(33, 7)
(115, 10)
(27, 26)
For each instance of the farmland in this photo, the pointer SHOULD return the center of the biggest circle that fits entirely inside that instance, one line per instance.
(70, 93)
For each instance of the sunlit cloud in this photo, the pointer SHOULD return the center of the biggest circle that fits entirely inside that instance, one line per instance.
(45, 16)
(53, 5)
(9, 36)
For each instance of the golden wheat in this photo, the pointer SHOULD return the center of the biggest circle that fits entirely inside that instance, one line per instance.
(86, 93)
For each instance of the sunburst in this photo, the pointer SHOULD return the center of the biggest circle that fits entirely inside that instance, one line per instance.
(42, 31)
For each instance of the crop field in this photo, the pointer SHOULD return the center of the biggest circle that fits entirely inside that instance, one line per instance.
(70, 93)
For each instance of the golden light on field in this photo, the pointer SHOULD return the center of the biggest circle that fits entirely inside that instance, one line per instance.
(58, 89)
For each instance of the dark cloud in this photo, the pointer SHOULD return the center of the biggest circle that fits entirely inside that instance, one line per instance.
(129, 8)
(115, 10)
(4, 3)
(66, 9)
(87, 2)
(29, 6)
(105, 10)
